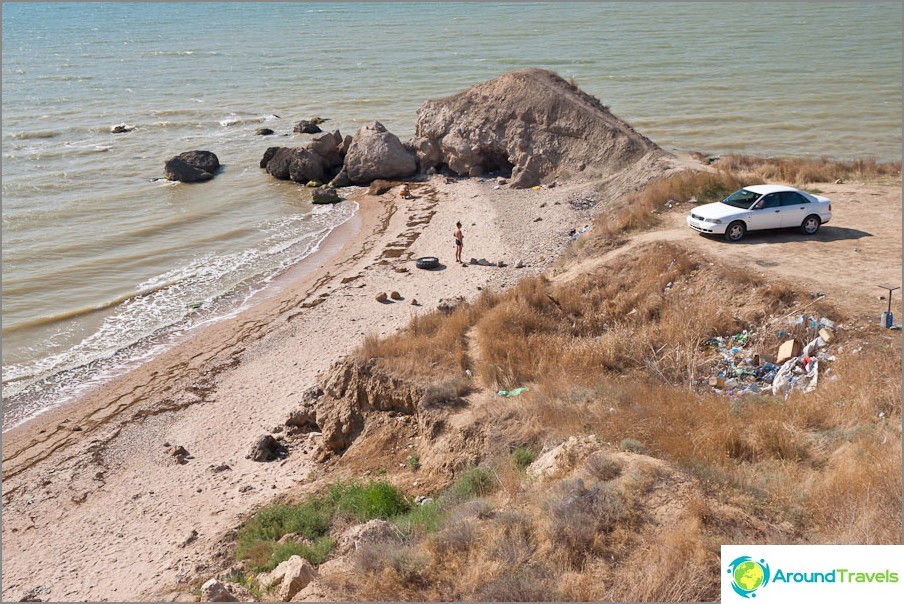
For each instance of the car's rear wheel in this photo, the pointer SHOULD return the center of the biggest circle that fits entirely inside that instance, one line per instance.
(735, 231)
(810, 224)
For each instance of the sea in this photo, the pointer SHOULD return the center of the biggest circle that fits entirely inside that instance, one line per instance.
(106, 265)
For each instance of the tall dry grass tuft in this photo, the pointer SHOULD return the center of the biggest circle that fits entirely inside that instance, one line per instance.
(857, 497)
(639, 210)
(432, 345)
(801, 171)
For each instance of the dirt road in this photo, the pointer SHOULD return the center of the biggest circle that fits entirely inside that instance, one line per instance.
(847, 259)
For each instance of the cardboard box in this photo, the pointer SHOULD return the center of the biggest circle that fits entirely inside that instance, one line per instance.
(788, 350)
(717, 382)
(826, 335)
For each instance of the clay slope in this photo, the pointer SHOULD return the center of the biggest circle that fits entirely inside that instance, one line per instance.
(533, 123)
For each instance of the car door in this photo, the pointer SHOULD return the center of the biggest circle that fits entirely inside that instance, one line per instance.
(795, 207)
(766, 214)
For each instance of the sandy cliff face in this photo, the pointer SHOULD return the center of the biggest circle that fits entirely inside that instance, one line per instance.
(533, 123)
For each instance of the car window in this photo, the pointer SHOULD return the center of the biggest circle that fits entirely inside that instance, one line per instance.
(790, 198)
(741, 199)
(770, 201)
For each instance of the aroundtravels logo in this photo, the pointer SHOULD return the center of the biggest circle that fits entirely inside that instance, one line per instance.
(811, 573)
(748, 575)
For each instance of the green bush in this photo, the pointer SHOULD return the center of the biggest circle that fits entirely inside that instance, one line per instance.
(421, 519)
(476, 482)
(366, 502)
(413, 462)
(523, 457)
(257, 540)
(310, 520)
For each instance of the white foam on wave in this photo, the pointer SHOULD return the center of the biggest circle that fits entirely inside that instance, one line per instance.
(205, 290)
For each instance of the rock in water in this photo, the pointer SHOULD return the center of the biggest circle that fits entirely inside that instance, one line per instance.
(535, 125)
(307, 127)
(264, 132)
(300, 165)
(267, 448)
(377, 153)
(327, 146)
(191, 166)
(180, 171)
(341, 180)
(326, 195)
(202, 160)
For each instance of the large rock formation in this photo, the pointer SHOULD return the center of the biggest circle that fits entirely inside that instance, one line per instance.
(320, 160)
(300, 165)
(377, 153)
(530, 122)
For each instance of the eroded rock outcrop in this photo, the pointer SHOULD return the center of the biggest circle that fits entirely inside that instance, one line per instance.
(288, 578)
(375, 153)
(351, 390)
(529, 122)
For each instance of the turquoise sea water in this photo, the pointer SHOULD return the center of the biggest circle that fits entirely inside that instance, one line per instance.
(97, 257)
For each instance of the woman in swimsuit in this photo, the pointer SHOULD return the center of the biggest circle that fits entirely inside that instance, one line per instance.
(459, 241)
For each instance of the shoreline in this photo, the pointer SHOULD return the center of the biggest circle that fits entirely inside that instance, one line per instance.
(76, 384)
(346, 235)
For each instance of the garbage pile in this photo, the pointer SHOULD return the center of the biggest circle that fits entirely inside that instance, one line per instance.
(744, 368)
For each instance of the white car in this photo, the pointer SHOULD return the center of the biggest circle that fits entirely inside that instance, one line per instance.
(761, 207)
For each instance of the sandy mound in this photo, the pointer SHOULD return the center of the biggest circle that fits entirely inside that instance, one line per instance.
(533, 123)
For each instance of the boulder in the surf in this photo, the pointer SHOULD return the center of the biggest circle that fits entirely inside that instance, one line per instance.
(181, 171)
(326, 195)
(327, 147)
(307, 127)
(202, 160)
(288, 163)
(377, 153)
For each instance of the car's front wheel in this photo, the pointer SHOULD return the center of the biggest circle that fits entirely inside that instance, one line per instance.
(735, 231)
(810, 224)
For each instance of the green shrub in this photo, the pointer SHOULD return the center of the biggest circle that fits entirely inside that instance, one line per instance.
(316, 553)
(366, 502)
(257, 540)
(421, 519)
(476, 482)
(413, 462)
(523, 457)
(310, 520)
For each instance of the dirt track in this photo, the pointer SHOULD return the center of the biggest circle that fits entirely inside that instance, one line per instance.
(847, 259)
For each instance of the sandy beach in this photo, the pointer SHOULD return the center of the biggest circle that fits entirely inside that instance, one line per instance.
(95, 475)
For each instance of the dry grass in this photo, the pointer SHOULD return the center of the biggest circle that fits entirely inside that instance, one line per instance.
(639, 210)
(431, 345)
(803, 171)
(619, 354)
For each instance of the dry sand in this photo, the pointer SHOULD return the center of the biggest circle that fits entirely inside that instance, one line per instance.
(94, 507)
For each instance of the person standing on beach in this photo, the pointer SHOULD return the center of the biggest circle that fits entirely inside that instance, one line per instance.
(459, 241)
